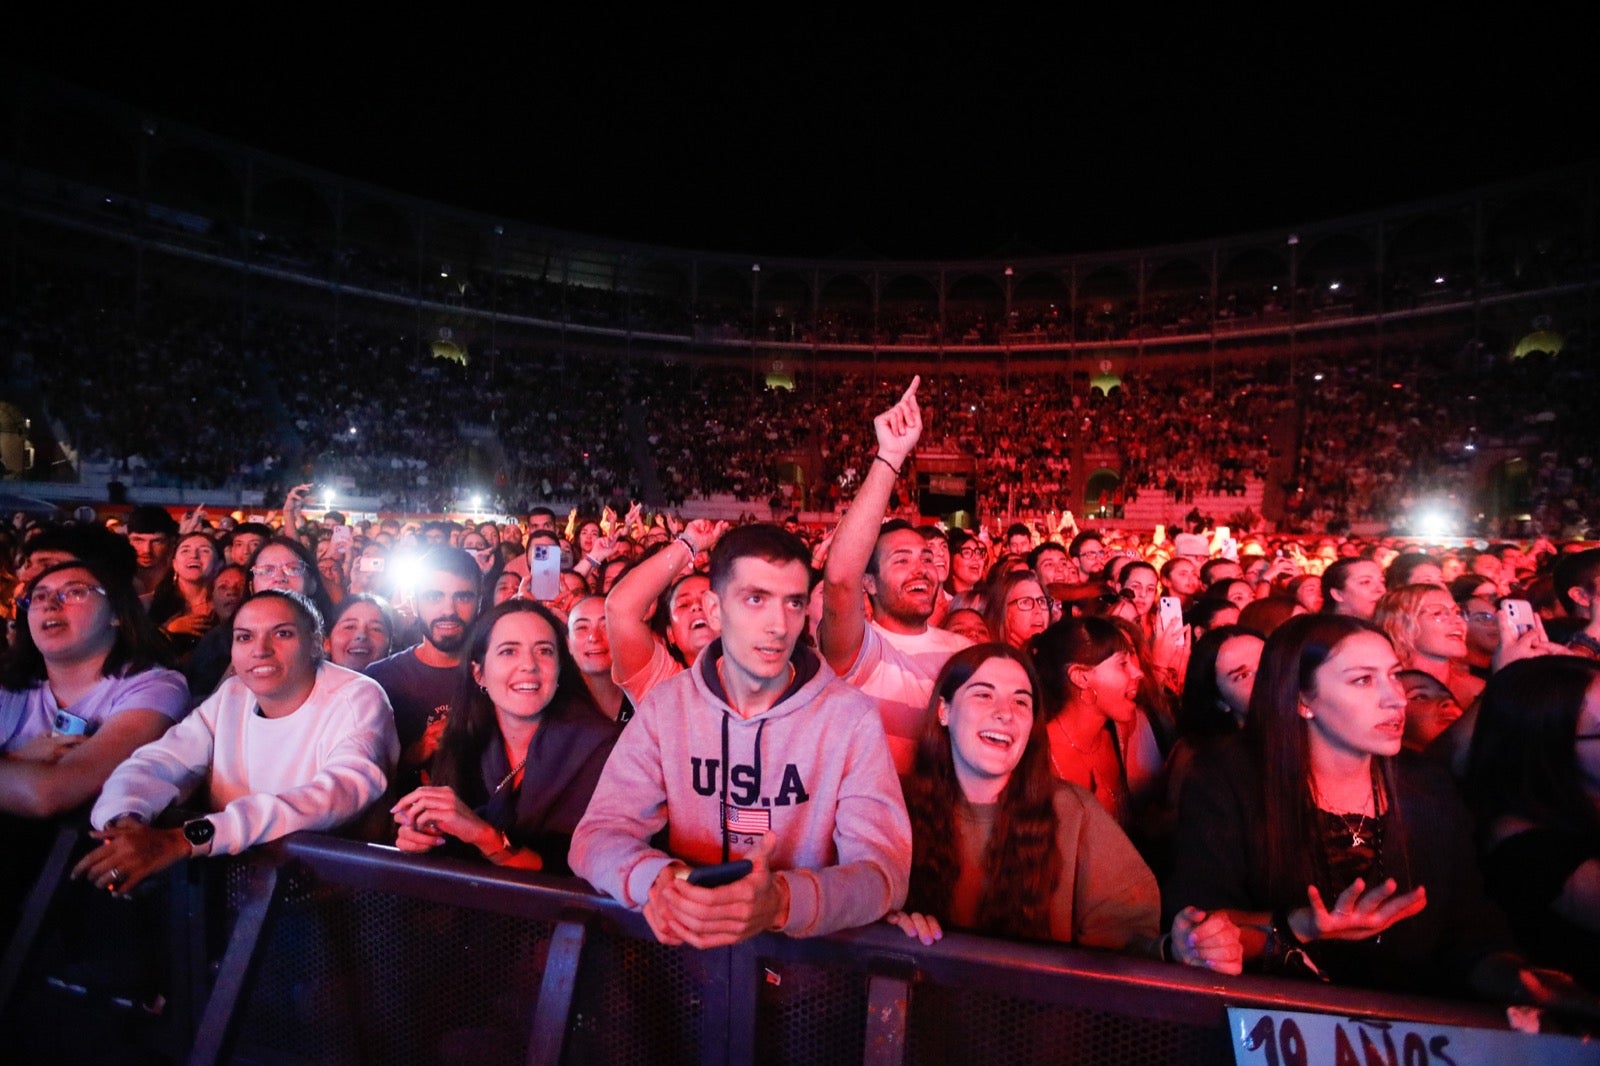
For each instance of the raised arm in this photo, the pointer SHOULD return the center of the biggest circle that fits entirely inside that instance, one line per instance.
(629, 602)
(844, 616)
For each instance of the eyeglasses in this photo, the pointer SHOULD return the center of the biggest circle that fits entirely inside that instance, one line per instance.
(1437, 614)
(288, 570)
(970, 552)
(1481, 617)
(1092, 553)
(1030, 603)
(65, 596)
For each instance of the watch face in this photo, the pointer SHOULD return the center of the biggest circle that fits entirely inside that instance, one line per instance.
(199, 832)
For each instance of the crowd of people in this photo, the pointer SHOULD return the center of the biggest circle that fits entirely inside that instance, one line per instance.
(262, 398)
(1370, 762)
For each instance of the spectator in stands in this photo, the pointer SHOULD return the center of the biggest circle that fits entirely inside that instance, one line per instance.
(1216, 699)
(85, 684)
(666, 587)
(589, 639)
(968, 559)
(1577, 581)
(1306, 591)
(247, 539)
(285, 564)
(1483, 635)
(1054, 566)
(361, 632)
(1430, 708)
(289, 742)
(1181, 578)
(421, 680)
(1088, 550)
(1429, 633)
(1018, 609)
(1352, 587)
(1533, 777)
(182, 604)
(1030, 856)
(1413, 568)
(152, 533)
(894, 657)
(1214, 571)
(83, 543)
(1139, 583)
(1311, 805)
(521, 753)
(757, 751)
(969, 624)
(1089, 675)
(228, 590)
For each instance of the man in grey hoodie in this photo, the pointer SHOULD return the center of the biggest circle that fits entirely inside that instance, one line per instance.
(758, 751)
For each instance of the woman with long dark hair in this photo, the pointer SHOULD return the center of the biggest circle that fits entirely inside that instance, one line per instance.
(1337, 855)
(1090, 678)
(1017, 609)
(1001, 847)
(522, 750)
(1533, 777)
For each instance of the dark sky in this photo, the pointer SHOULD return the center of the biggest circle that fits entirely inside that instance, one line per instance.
(812, 134)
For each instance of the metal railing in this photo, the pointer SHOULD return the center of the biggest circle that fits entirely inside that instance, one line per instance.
(339, 951)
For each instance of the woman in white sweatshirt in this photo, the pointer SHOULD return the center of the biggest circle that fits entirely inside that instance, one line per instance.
(288, 743)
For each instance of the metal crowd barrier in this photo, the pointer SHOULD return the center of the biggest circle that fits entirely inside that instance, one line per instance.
(336, 951)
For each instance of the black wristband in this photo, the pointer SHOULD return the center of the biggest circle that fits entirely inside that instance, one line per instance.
(887, 463)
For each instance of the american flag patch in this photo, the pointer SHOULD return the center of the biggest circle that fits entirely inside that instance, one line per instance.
(746, 819)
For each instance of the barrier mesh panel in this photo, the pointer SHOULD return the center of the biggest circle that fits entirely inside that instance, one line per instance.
(369, 977)
(638, 1001)
(958, 1026)
(810, 1013)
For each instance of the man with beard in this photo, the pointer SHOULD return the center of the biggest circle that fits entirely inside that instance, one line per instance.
(421, 681)
(895, 657)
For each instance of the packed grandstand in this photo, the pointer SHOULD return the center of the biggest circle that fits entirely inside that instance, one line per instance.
(996, 548)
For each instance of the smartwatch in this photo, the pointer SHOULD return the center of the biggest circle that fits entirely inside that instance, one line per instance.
(198, 832)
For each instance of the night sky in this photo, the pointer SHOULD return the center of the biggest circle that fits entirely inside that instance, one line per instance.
(804, 134)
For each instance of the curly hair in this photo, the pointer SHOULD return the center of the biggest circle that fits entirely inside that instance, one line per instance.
(1022, 859)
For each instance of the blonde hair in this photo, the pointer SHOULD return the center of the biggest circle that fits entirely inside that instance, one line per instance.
(1397, 617)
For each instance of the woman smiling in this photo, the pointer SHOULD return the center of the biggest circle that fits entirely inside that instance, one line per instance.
(1001, 847)
(522, 752)
(288, 742)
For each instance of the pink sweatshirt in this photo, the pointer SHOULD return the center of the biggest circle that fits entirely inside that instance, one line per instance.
(815, 764)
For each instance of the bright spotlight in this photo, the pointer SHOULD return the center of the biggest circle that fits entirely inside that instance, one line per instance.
(1432, 525)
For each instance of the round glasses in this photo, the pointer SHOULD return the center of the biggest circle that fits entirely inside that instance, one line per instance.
(65, 596)
(288, 570)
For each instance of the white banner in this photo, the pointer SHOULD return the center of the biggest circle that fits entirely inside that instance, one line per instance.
(1297, 1038)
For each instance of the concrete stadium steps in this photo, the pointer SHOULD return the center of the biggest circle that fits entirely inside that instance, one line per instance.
(1154, 507)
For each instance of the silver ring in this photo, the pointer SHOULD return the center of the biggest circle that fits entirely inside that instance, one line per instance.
(116, 875)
